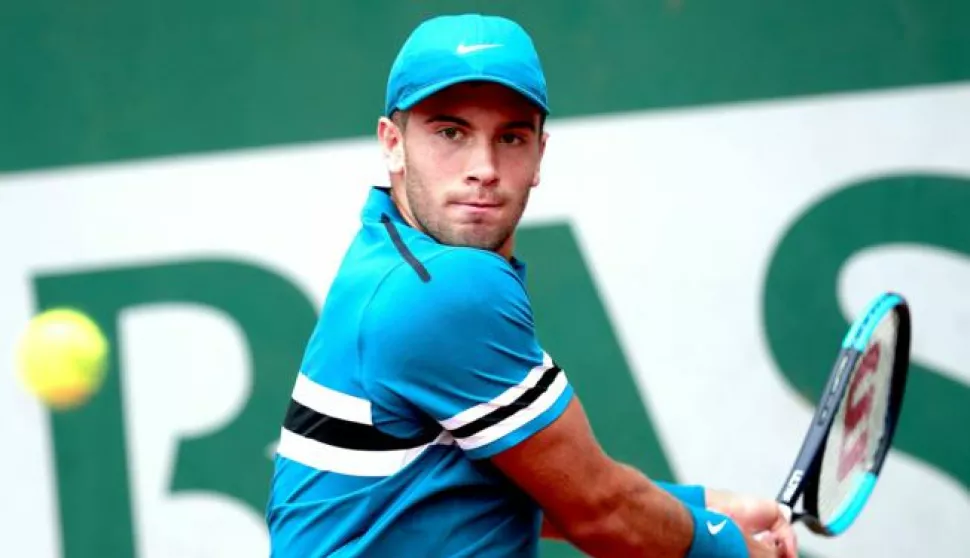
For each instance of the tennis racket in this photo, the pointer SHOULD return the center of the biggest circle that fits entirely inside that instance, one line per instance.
(850, 435)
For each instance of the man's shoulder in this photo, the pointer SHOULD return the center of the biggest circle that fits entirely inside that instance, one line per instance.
(448, 292)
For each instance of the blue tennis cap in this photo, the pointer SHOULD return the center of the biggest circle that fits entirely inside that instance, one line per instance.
(447, 50)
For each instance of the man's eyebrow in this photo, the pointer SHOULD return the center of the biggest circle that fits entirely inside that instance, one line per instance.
(448, 119)
(521, 124)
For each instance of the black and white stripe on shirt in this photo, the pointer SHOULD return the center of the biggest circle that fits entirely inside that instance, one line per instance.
(332, 431)
(516, 406)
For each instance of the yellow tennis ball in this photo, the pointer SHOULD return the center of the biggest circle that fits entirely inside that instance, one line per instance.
(63, 357)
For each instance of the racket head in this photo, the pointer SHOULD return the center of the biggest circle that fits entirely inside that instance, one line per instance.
(851, 433)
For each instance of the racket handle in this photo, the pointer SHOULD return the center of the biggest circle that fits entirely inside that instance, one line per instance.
(790, 515)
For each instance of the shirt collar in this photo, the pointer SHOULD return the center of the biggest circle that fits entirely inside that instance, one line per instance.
(379, 203)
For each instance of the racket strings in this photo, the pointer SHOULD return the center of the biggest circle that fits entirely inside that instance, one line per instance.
(859, 427)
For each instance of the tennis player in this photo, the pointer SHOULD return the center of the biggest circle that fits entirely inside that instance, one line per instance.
(426, 419)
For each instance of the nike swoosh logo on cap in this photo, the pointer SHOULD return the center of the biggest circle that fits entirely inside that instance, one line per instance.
(463, 49)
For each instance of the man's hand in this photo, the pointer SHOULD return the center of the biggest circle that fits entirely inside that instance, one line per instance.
(761, 549)
(758, 516)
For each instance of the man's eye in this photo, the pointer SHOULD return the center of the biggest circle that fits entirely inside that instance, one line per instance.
(510, 138)
(450, 133)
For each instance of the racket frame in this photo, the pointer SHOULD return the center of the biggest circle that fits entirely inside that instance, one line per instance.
(803, 478)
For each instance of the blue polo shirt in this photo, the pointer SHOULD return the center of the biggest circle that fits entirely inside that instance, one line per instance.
(423, 364)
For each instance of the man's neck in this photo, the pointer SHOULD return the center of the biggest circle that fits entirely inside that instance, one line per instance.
(505, 250)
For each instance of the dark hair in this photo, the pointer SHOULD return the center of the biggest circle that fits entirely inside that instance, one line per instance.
(400, 118)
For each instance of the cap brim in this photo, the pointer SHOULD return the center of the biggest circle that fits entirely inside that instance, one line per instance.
(421, 94)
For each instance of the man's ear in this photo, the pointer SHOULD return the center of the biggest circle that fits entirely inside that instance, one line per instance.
(542, 151)
(391, 138)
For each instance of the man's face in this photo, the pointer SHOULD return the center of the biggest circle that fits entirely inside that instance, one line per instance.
(471, 156)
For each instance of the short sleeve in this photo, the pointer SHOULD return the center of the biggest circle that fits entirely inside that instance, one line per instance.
(462, 348)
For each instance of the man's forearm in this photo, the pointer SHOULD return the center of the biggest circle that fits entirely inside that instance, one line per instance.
(636, 517)
(550, 531)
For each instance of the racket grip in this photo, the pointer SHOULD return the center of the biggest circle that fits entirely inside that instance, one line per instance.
(786, 511)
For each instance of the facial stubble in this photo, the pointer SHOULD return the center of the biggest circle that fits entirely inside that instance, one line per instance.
(433, 220)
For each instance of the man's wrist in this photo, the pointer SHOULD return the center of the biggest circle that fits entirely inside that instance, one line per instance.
(718, 500)
(689, 494)
(715, 536)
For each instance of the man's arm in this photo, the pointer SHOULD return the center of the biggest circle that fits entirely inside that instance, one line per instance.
(692, 495)
(466, 354)
(609, 509)
(549, 531)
